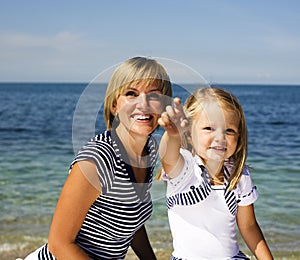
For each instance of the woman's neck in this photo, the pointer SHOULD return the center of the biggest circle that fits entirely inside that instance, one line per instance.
(133, 144)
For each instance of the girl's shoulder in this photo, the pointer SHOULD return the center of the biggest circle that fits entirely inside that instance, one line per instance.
(245, 179)
(246, 190)
(191, 173)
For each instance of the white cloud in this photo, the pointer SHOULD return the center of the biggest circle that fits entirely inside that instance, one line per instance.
(45, 57)
(61, 40)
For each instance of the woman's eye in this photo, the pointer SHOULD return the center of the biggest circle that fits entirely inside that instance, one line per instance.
(153, 96)
(130, 94)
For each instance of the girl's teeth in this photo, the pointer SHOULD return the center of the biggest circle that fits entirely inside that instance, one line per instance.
(219, 148)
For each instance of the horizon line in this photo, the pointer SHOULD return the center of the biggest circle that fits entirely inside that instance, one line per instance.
(210, 83)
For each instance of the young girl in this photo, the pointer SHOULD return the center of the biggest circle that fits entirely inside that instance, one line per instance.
(209, 188)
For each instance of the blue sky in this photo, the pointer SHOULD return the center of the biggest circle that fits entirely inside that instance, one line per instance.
(225, 41)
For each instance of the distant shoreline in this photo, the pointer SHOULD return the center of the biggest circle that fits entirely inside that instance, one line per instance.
(181, 83)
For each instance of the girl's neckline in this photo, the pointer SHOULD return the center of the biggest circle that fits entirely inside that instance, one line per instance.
(217, 181)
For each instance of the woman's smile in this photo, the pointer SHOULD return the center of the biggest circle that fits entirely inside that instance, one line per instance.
(139, 109)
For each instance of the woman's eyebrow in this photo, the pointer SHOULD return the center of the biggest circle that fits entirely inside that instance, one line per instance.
(155, 89)
(150, 90)
(130, 88)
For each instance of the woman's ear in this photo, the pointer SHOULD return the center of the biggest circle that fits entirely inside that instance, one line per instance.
(114, 109)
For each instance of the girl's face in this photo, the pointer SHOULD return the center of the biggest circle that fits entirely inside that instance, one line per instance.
(139, 108)
(215, 132)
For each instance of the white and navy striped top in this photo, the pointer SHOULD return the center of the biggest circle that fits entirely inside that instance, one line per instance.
(122, 208)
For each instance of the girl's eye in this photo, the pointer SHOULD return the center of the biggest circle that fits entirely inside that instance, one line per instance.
(208, 128)
(230, 131)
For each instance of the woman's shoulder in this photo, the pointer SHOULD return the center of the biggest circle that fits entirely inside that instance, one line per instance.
(100, 140)
(102, 137)
(99, 145)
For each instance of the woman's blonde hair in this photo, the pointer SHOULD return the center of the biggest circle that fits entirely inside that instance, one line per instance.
(136, 69)
(193, 106)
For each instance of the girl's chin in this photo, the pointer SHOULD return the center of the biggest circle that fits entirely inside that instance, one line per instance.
(216, 157)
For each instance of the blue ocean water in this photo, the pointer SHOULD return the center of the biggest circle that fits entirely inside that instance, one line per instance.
(43, 125)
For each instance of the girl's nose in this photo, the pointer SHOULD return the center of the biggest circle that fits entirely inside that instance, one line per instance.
(219, 135)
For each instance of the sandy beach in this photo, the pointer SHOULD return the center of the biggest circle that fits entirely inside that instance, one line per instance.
(161, 254)
(161, 243)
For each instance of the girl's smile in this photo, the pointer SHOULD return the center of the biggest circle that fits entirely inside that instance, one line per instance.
(215, 132)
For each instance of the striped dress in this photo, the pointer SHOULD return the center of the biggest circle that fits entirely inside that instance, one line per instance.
(122, 208)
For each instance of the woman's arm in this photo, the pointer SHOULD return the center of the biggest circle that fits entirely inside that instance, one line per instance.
(174, 123)
(141, 245)
(76, 197)
(251, 233)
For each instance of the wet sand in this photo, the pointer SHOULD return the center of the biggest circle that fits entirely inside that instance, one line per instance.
(161, 254)
(161, 242)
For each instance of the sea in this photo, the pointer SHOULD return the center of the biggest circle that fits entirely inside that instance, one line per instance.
(42, 126)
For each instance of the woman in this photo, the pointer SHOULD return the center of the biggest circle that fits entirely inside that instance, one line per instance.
(106, 198)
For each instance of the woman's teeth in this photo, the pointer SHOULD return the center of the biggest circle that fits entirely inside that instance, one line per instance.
(142, 117)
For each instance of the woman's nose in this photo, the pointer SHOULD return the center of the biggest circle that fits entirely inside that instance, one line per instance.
(142, 100)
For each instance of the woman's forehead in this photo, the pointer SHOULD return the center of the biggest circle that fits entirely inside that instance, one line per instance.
(145, 84)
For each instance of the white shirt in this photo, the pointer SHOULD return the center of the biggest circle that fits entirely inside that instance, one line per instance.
(202, 217)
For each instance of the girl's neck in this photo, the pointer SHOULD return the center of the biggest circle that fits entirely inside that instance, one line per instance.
(216, 171)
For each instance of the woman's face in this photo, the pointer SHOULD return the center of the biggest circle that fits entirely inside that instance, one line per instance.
(215, 132)
(138, 108)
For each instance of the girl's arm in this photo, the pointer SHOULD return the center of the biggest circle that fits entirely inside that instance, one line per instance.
(174, 123)
(141, 245)
(76, 197)
(251, 233)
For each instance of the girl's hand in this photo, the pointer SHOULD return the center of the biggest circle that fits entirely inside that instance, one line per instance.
(173, 120)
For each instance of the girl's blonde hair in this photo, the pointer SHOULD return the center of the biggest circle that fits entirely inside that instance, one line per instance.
(193, 106)
(134, 70)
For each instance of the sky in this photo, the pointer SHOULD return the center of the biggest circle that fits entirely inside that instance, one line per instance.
(252, 42)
